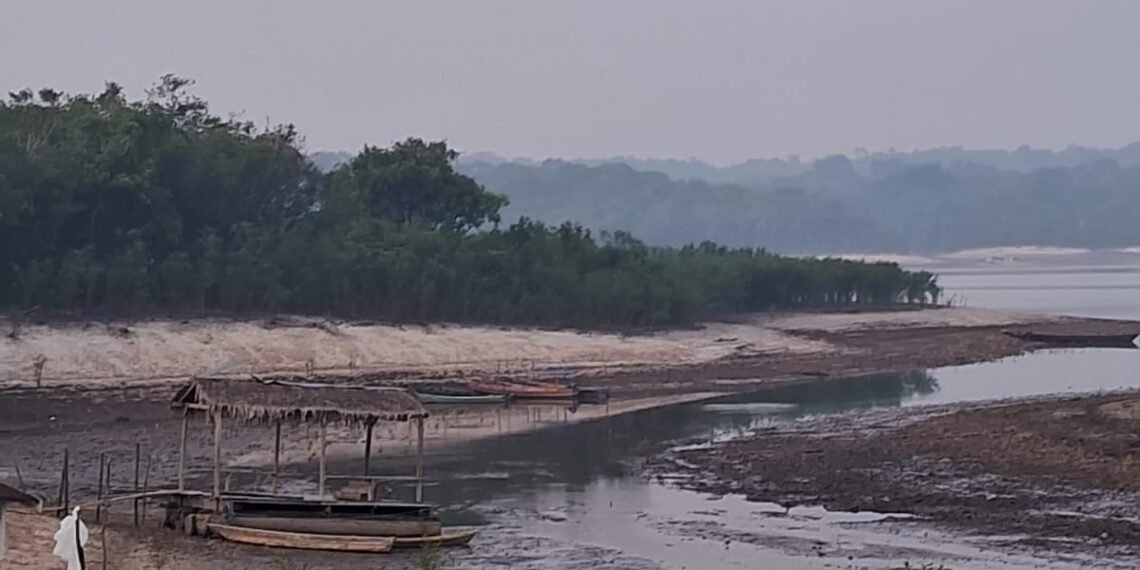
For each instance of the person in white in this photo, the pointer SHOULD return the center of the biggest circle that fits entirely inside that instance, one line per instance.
(70, 539)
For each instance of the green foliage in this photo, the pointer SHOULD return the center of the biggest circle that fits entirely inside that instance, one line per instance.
(157, 205)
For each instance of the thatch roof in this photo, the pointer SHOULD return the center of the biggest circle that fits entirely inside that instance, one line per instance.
(11, 495)
(258, 400)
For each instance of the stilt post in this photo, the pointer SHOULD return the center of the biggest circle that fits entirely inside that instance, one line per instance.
(322, 474)
(182, 451)
(419, 460)
(276, 453)
(217, 454)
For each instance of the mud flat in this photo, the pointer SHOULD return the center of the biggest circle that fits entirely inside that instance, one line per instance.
(1058, 473)
(104, 389)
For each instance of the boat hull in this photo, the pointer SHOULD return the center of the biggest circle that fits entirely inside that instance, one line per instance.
(1084, 341)
(525, 391)
(341, 526)
(428, 398)
(303, 541)
(447, 538)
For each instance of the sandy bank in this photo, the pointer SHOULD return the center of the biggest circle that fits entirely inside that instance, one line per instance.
(91, 354)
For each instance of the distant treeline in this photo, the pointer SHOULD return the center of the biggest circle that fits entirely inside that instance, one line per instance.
(157, 205)
(837, 205)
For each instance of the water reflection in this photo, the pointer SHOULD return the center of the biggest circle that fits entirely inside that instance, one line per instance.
(576, 455)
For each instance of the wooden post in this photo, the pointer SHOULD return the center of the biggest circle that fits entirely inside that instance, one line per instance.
(103, 540)
(63, 481)
(217, 454)
(419, 460)
(321, 475)
(138, 468)
(146, 485)
(276, 452)
(19, 475)
(182, 451)
(99, 491)
(367, 447)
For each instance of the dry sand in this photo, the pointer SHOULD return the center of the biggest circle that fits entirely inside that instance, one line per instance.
(91, 354)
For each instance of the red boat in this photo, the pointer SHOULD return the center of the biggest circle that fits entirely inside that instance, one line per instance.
(523, 389)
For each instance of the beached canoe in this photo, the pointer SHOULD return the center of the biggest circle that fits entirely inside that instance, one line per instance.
(304, 541)
(448, 538)
(523, 390)
(1079, 340)
(458, 399)
(348, 526)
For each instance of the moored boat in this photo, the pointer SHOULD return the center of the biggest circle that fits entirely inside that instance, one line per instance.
(447, 538)
(393, 527)
(305, 541)
(435, 398)
(1079, 340)
(523, 389)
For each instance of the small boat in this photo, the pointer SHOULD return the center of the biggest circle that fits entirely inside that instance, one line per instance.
(523, 389)
(1079, 340)
(593, 395)
(432, 398)
(304, 541)
(397, 527)
(447, 538)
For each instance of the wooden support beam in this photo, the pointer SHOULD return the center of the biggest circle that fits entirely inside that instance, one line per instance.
(99, 492)
(419, 460)
(217, 416)
(276, 453)
(182, 450)
(367, 447)
(64, 482)
(321, 475)
(138, 473)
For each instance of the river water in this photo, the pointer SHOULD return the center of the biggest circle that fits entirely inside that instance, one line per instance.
(568, 497)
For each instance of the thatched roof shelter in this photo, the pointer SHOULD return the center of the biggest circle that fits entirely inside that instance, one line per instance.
(266, 400)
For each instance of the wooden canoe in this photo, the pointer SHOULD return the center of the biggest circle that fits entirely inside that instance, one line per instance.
(430, 398)
(1078, 340)
(394, 527)
(304, 541)
(529, 390)
(448, 538)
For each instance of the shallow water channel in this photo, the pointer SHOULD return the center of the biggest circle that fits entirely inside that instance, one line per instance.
(568, 496)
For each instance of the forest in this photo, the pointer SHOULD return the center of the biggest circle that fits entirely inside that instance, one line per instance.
(838, 205)
(158, 206)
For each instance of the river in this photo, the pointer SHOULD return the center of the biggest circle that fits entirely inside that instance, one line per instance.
(569, 497)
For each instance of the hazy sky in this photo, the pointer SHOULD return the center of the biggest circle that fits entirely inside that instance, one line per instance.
(721, 80)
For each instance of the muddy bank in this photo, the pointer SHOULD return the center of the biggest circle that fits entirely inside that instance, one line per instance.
(1060, 473)
(96, 416)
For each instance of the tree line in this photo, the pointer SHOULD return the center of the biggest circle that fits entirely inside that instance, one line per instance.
(878, 203)
(158, 205)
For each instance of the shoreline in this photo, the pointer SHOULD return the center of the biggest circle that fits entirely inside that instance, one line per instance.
(1059, 473)
(109, 416)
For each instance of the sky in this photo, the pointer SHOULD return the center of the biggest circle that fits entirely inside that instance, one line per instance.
(722, 80)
